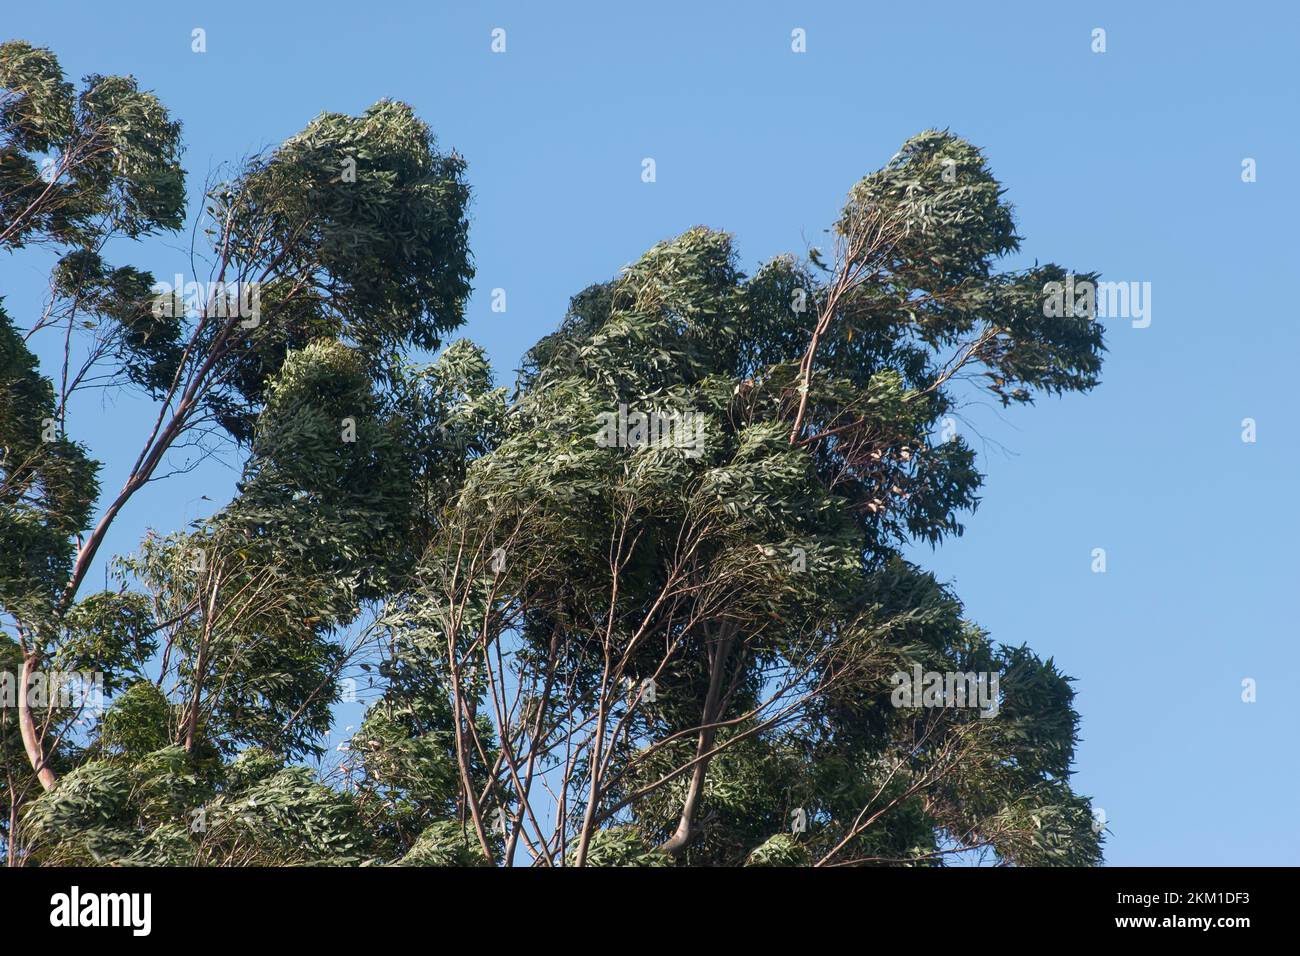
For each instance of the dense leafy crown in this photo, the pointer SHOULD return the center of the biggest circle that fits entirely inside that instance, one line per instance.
(579, 641)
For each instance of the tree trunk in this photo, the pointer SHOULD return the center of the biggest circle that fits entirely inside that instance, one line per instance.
(27, 726)
(704, 743)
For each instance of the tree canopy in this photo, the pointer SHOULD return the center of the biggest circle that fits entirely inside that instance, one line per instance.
(652, 607)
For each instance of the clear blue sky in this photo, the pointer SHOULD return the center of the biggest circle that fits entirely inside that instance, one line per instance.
(1127, 162)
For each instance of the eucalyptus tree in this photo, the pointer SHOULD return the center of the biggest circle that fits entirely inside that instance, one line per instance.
(320, 265)
(670, 608)
(652, 609)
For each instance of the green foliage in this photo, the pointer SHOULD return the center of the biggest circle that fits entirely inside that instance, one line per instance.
(779, 850)
(139, 721)
(287, 818)
(445, 844)
(361, 224)
(166, 784)
(623, 846)
(47, 487)
(595, 535)
(509, 577)
(116, 150)
(327, 476)
(266, 634)
(168, 809)
(407, 768)
(392, 242)
(87, 820)
(144, 341)
(111, 633)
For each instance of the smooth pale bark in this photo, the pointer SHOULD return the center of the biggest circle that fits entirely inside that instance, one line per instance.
(27, 726)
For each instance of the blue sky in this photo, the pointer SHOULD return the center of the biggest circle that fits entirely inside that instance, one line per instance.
(1126, 162)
